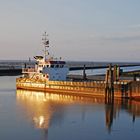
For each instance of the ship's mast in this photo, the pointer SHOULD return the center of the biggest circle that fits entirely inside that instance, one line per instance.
(46, 45)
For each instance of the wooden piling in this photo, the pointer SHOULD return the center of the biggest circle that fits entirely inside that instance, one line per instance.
(109, 88)
(84, 73)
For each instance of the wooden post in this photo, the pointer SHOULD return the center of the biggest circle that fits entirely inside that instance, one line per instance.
(118, 73)
(111, 80)
(109, 88)
(115, 73)
(25, 65)
(84, 73)
(134, 77)
(106, 85)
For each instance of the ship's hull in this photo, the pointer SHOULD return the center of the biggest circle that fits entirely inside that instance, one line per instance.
(88, 88)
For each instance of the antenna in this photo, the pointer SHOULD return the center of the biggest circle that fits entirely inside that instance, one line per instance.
(46, 44)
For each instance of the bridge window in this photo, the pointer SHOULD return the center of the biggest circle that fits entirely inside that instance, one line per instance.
(61, 66)
(52, 66)
(57, 66)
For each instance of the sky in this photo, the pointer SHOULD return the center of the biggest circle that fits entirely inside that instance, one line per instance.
(79, 30)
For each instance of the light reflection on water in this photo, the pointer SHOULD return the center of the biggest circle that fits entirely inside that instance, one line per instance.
(28, 115)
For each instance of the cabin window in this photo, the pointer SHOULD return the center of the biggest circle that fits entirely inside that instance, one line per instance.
(61, 66)
(47, 66)
(57, 66)
(52, 66)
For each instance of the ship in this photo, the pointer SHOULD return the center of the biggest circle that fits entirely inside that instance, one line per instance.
(50, 75)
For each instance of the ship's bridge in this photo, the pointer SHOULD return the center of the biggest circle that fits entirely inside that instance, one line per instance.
(57, 70)
(55, 64)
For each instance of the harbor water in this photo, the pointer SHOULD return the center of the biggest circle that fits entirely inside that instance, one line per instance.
(42, 116)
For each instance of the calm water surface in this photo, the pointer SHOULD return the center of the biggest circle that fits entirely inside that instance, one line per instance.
(26, 115)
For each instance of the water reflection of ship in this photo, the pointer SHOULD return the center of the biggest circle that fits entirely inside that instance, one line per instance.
(46, 109)
(46, 104)
(40, 108)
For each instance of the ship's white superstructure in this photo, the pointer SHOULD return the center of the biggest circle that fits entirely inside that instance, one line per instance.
(46, 67)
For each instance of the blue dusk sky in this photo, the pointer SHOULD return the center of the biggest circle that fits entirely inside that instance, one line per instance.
(90, 30)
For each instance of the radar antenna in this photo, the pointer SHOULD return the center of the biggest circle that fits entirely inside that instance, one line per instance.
(46, 45)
